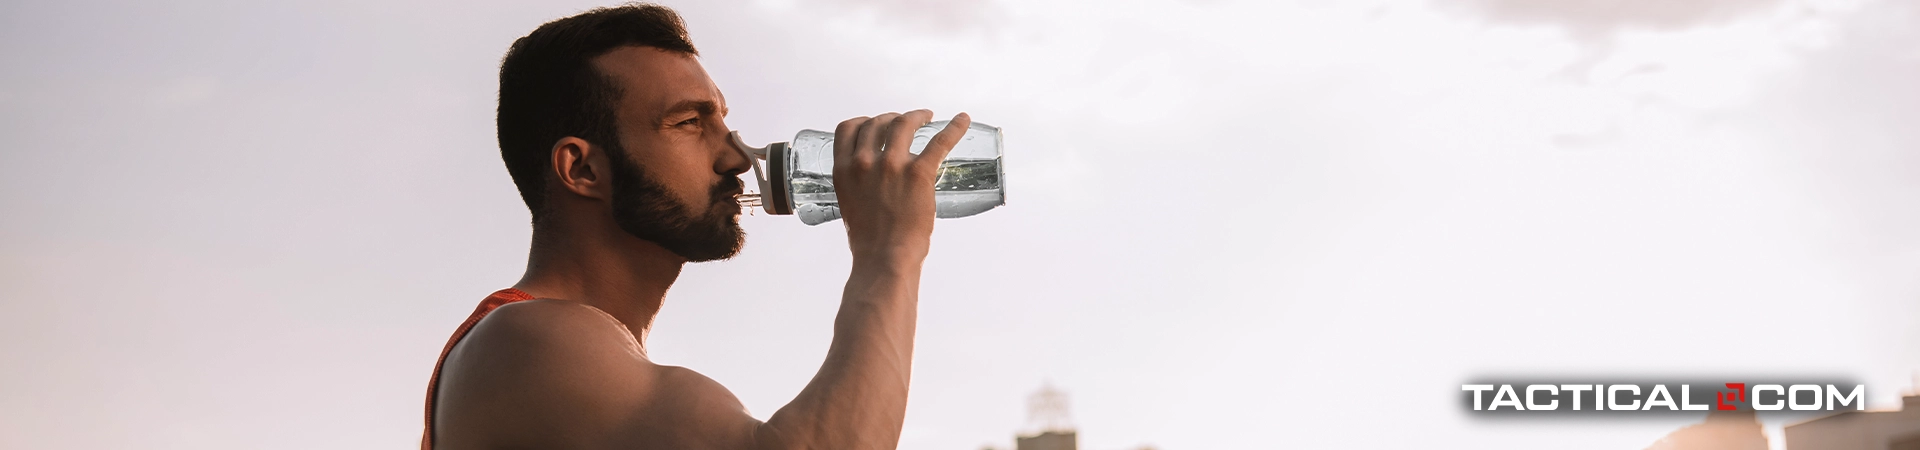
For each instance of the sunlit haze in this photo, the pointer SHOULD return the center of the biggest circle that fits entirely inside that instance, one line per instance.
(1230, 224)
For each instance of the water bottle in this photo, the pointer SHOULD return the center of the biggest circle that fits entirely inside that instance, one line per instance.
(798, 175)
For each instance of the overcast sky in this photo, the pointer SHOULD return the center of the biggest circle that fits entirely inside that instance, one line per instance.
(233, 224)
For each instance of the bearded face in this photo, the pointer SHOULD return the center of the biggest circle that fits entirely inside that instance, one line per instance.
(647, 210)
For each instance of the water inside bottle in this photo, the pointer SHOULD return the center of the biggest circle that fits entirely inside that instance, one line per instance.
(966, 187)
(969, 181)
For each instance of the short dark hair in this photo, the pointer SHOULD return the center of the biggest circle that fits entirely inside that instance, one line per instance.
(549, 88)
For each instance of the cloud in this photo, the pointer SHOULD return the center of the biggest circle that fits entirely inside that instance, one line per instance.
(1600, 17)
(935, 16)
(1661, 67)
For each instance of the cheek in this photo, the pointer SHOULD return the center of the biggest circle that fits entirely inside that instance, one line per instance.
(683, 173)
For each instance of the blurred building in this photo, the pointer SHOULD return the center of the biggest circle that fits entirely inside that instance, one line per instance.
(1861, 430)
(1048, 440)
(1048, 424)
(1049, 427)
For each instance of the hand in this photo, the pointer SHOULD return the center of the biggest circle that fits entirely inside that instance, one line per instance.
(886, 192)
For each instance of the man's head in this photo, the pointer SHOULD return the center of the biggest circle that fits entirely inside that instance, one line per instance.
(609, 109)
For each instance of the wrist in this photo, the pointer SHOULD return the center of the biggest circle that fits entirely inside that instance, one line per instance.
(884, 281)
(891, 251)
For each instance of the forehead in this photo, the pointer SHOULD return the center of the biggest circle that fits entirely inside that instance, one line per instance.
(654, 80)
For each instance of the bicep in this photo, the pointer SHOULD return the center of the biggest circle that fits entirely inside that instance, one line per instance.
(688, 410)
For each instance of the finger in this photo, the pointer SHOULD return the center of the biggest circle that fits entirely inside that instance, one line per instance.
(869, 146)
(845, 136)
(944, 141)
(901, 131)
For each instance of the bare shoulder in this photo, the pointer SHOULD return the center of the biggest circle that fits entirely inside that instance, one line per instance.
(539, 373)
(541, 342)
(560, 374)
(540, 328)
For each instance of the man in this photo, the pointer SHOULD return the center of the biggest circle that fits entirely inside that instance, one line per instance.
(617, 141)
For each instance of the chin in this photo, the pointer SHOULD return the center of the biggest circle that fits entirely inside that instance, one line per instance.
(719, 246)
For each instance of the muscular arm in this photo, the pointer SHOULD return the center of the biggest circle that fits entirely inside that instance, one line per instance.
(859, 397)
(858, 400)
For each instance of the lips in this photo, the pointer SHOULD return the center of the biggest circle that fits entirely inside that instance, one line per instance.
(727, 190)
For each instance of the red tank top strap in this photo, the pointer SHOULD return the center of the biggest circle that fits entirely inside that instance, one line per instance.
(501, 297)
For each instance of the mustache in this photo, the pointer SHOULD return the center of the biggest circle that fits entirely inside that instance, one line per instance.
(727, 188)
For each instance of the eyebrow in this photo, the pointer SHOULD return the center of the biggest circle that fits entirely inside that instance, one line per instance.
(703, 107)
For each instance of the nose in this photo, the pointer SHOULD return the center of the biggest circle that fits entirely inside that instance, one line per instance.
(732, 160)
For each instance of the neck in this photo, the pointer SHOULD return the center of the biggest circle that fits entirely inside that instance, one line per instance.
(601, 266)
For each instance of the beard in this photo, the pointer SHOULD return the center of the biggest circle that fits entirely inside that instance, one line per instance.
(646, 210)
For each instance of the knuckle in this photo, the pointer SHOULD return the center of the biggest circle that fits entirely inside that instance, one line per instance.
(908, 169)
(922, 170)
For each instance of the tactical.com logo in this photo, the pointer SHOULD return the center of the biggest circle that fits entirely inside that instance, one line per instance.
(1542, 397)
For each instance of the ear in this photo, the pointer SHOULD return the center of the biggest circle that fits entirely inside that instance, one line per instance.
(582, 168)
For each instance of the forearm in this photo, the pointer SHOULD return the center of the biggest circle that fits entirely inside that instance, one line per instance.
(859, 398)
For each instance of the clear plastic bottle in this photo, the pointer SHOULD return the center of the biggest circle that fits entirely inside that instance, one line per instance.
(798, 177)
